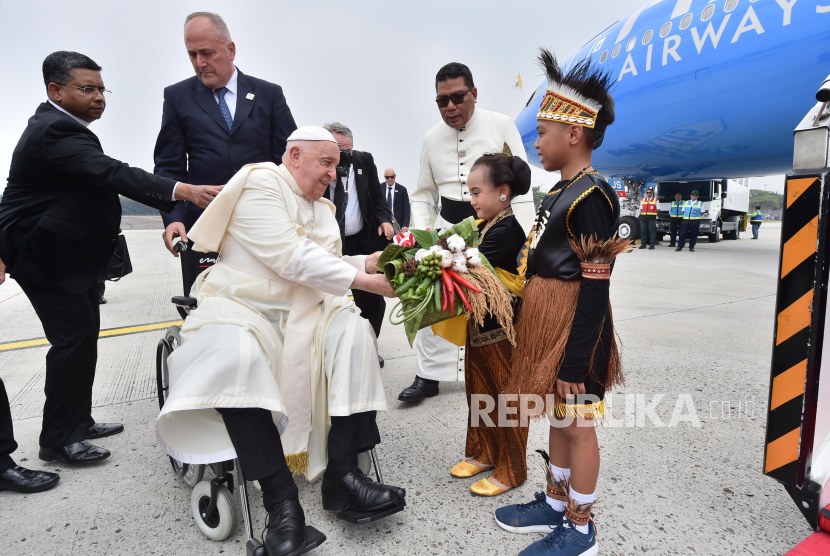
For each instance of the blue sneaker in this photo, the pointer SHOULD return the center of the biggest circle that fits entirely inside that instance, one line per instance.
(565, 541)
(534, 517)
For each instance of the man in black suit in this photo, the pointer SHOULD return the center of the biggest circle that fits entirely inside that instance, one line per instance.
(364, 217)
(59, 221)
(215, 123)
(397, 198)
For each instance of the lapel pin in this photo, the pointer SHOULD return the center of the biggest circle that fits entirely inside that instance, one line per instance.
(250, 96)
(359, 172)
(462, 154)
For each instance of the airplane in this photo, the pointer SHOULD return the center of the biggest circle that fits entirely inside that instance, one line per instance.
(704, 89)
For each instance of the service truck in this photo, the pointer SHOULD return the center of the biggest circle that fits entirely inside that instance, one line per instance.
(725, 205)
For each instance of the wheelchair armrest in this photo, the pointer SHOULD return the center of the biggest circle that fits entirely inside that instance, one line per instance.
(184, 301)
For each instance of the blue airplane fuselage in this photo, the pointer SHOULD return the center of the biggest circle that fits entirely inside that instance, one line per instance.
(705, 89)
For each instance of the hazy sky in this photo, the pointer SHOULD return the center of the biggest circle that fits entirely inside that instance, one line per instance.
(368, 64)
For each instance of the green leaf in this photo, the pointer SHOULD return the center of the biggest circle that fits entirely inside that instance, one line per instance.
(391, 252)
(410, 253)
(424, 238)
(434, 237)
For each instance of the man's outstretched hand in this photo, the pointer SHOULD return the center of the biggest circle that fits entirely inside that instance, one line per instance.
(199, 195)
(174, 230)
(387, 230)
(2, 271)
(372, 262)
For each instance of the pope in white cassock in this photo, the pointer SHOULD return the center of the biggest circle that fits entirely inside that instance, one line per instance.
(449, 151)
(276, 367)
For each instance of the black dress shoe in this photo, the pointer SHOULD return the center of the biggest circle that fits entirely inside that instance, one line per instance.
(78, 453)
(285, 529)
(358, 492)
(692, 249)
(651, 247)
(679, 249)
(420, 389)
(100, 430)
(643, 246)
(26, 481)
(102, 300)
(380, 361)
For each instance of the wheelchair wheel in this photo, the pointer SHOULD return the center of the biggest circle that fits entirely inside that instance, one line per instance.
(166, 346)
(193, 474)
(219, 525)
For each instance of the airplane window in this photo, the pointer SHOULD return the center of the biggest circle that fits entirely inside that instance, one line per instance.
(616, 51)
(665, 29)
(603, 57)
(707, 13)
(730, 5)
(631, 43)
(686, 21)
(647, 36)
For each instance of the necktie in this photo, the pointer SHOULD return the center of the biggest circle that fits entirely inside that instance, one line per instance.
(223, 107)
(339, 200)
(389, 196)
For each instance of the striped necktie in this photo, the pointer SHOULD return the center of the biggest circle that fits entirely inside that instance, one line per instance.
(223, 107)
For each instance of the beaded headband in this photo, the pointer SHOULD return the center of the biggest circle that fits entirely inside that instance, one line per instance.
(563, 104)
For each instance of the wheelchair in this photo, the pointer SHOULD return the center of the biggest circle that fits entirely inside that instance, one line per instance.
(211, 501)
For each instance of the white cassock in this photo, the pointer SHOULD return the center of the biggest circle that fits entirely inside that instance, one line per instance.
(273, 328)
(447, 155)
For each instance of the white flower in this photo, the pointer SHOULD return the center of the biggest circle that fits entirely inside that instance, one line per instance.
(459, 263)
(471, 252)
(474, 261)
(460, 267)
(421, 254)
(446, 258)
(456, 243)
(435, 249)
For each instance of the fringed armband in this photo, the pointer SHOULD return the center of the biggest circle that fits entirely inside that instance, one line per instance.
(596, 271)
(597, 256)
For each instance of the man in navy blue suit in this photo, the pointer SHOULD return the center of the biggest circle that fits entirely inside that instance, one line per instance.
(397, 198)
(216, 122)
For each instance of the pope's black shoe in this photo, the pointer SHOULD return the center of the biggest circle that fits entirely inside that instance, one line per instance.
(26, 481)
(100, 430)
(79, 453)
(285, 529)
(358, 492)
(380, 361)
(420, 389)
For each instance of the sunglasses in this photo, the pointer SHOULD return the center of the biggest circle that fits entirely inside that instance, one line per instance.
(457, 98)
(389, 177)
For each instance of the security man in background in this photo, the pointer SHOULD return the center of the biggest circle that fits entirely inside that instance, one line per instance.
(692, 211)
(755, 219)
(648, 220)
(216, 122)
(676, 218)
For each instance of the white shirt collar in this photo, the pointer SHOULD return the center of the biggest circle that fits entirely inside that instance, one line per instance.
(76, 118)
(231, 86)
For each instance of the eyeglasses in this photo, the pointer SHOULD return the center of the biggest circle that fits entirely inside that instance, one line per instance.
(90, 91)
(389, 177)
(457, 98)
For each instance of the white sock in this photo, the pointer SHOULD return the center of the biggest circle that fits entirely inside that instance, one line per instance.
(581, 499)
(558, 474)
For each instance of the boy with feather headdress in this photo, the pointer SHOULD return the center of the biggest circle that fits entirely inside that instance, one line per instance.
(566, 352)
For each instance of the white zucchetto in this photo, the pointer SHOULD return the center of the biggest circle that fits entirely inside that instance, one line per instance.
(311, 133)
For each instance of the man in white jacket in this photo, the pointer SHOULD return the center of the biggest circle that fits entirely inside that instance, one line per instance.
(277, 368)
(442, 198)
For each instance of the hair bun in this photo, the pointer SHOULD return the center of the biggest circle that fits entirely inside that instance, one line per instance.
(521, 176)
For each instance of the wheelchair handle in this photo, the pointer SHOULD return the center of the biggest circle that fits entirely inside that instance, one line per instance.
(180, 246)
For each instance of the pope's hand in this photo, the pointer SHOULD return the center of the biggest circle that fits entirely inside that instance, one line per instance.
(175, 229)
(199, 195)
(2, 271)
(373, 283)
(372, 262)
(387, 230)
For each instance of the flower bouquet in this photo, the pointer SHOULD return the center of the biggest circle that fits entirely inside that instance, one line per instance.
(438, 277)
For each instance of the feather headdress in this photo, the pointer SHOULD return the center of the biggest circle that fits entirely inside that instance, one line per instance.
(574, 97)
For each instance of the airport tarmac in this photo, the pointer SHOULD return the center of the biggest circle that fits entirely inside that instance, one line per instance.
(696, 330)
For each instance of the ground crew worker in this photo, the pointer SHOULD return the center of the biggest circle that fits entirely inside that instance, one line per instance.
(755, 219)
(648, 219)
(692, 211)
(676, 216)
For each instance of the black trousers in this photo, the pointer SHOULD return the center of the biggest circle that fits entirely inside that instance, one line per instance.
(259, 449)
(7, 443)
(71, 324)
(674, 228)
(372, 306)
(690, 227)
(648, 231)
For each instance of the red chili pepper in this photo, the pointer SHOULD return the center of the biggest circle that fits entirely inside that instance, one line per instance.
(445, 276)
(444, 296)
(462, 281)
(463, 298)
